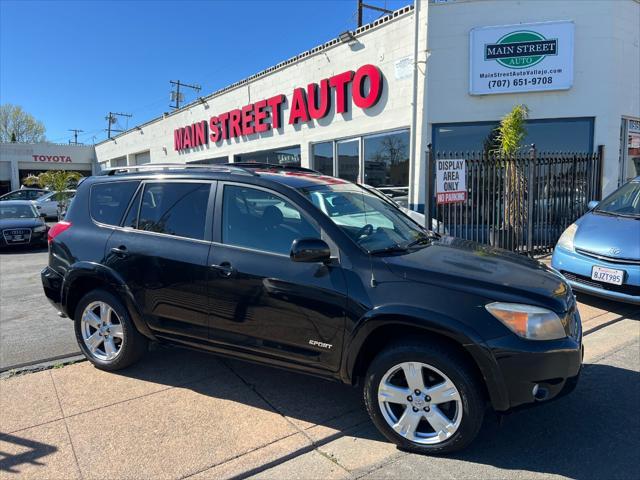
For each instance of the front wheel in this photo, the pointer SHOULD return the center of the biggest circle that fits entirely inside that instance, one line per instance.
(424, 398)
(105, 333)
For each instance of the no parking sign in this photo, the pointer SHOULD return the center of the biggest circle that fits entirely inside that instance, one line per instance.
(451, 180)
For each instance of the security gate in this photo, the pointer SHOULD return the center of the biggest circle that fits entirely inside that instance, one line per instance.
(520, 202)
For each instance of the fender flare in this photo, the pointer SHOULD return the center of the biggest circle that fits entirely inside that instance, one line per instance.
(436, 323)
(84, 270)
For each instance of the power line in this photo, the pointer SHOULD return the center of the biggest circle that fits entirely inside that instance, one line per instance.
(178, 97)
(111, 120)
(75, 136)
(362, 6)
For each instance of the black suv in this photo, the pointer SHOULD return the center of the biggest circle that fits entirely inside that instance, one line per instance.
(295, 269)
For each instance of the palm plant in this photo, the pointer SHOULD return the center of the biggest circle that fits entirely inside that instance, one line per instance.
(54, 180)
(510, 135)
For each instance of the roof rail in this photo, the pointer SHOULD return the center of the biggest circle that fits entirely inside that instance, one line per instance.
(271, 166)
(151, 167)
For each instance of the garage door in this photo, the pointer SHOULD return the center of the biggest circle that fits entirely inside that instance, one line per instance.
(142, 158)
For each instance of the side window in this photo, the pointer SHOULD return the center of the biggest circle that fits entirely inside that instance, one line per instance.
(175, 209)
(109, 201)
(260, 220)
(21, 195)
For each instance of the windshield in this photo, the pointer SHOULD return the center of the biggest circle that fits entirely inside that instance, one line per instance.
(371, 222)
(624, 202)
(17, 211)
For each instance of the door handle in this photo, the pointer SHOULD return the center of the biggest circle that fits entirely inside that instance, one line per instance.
(120, 251)
(224, 269)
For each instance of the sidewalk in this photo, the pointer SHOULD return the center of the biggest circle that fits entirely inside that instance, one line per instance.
(180, 414)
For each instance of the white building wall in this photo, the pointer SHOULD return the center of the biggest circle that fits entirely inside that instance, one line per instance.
(381, 46)
(43, 156)
(606, 66)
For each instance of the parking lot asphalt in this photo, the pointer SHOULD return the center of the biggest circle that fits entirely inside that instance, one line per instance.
(183, 414)
(30, 330)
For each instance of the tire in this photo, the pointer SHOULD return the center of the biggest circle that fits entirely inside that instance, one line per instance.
(463, 406)
(113, 345)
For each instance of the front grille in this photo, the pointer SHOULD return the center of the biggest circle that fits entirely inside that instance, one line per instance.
(10, 235)
(625, 289)
(606, 258)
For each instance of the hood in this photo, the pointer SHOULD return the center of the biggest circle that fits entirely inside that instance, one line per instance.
(20, 223)
(487, 271)
(609, 236)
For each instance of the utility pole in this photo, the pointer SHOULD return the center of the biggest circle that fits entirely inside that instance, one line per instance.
(111, 120)
(75, 136)
(362, 6)
(177, 96)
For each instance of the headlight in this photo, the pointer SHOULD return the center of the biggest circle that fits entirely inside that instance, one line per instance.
(39, 229)
(527, 321)
(566, 239)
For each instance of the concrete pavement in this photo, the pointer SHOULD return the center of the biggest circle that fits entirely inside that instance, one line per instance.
(182, 414)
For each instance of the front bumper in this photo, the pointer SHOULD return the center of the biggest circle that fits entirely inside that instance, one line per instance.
(576, 267)
(35, 238)
(537, 371)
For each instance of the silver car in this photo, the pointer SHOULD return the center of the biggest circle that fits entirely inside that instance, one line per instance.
(49, 204)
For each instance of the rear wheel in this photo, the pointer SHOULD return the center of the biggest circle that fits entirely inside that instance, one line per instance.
(105, 333)
(424, 398)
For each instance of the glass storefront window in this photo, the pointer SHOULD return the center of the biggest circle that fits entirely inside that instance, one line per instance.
(629, 149)
(349, 160)
(278, 156)
(386, 159)
(548, 135)
(323, 158)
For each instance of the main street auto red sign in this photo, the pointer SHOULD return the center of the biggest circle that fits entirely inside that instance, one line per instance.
(306, 104)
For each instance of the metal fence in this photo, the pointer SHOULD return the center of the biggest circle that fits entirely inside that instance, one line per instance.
(522, 202)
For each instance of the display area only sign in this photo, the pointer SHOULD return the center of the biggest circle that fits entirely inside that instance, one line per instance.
(521, 58)
(451, 180)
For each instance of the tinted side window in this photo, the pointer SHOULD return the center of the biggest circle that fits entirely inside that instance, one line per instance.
(175, 209)
(262, 221)
(109, 201)
(21, 195)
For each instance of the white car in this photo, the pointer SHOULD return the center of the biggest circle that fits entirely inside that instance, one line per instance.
(48, 203)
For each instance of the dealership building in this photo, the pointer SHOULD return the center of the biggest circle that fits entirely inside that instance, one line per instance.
(19, 160)
(438, 74)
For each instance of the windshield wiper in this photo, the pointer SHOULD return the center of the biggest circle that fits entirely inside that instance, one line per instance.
(420, 240)
(390, 249)
(615, 214)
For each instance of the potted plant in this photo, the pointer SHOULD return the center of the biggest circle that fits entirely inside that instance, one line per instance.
(508, 139)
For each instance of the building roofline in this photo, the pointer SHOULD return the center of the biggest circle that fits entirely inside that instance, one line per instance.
(279, 66)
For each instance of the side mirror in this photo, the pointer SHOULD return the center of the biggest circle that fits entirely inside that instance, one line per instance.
(310, 250)
(43, 215)
(592, 204)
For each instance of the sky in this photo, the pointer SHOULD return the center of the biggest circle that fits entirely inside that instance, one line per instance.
(69, 63)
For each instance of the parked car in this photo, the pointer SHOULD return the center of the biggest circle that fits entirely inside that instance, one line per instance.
(600, 253)
(24, 194)
(315, 274)
(48, 204)
(21, 224)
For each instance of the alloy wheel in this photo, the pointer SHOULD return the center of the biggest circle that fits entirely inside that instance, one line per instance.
(102, 331)
(420, 403)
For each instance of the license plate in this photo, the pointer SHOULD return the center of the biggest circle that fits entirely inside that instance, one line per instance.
(607, 275)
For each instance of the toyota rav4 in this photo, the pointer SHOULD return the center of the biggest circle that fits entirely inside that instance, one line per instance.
(295, 269)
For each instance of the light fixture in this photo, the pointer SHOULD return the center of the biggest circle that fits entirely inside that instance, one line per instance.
(346, 37)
